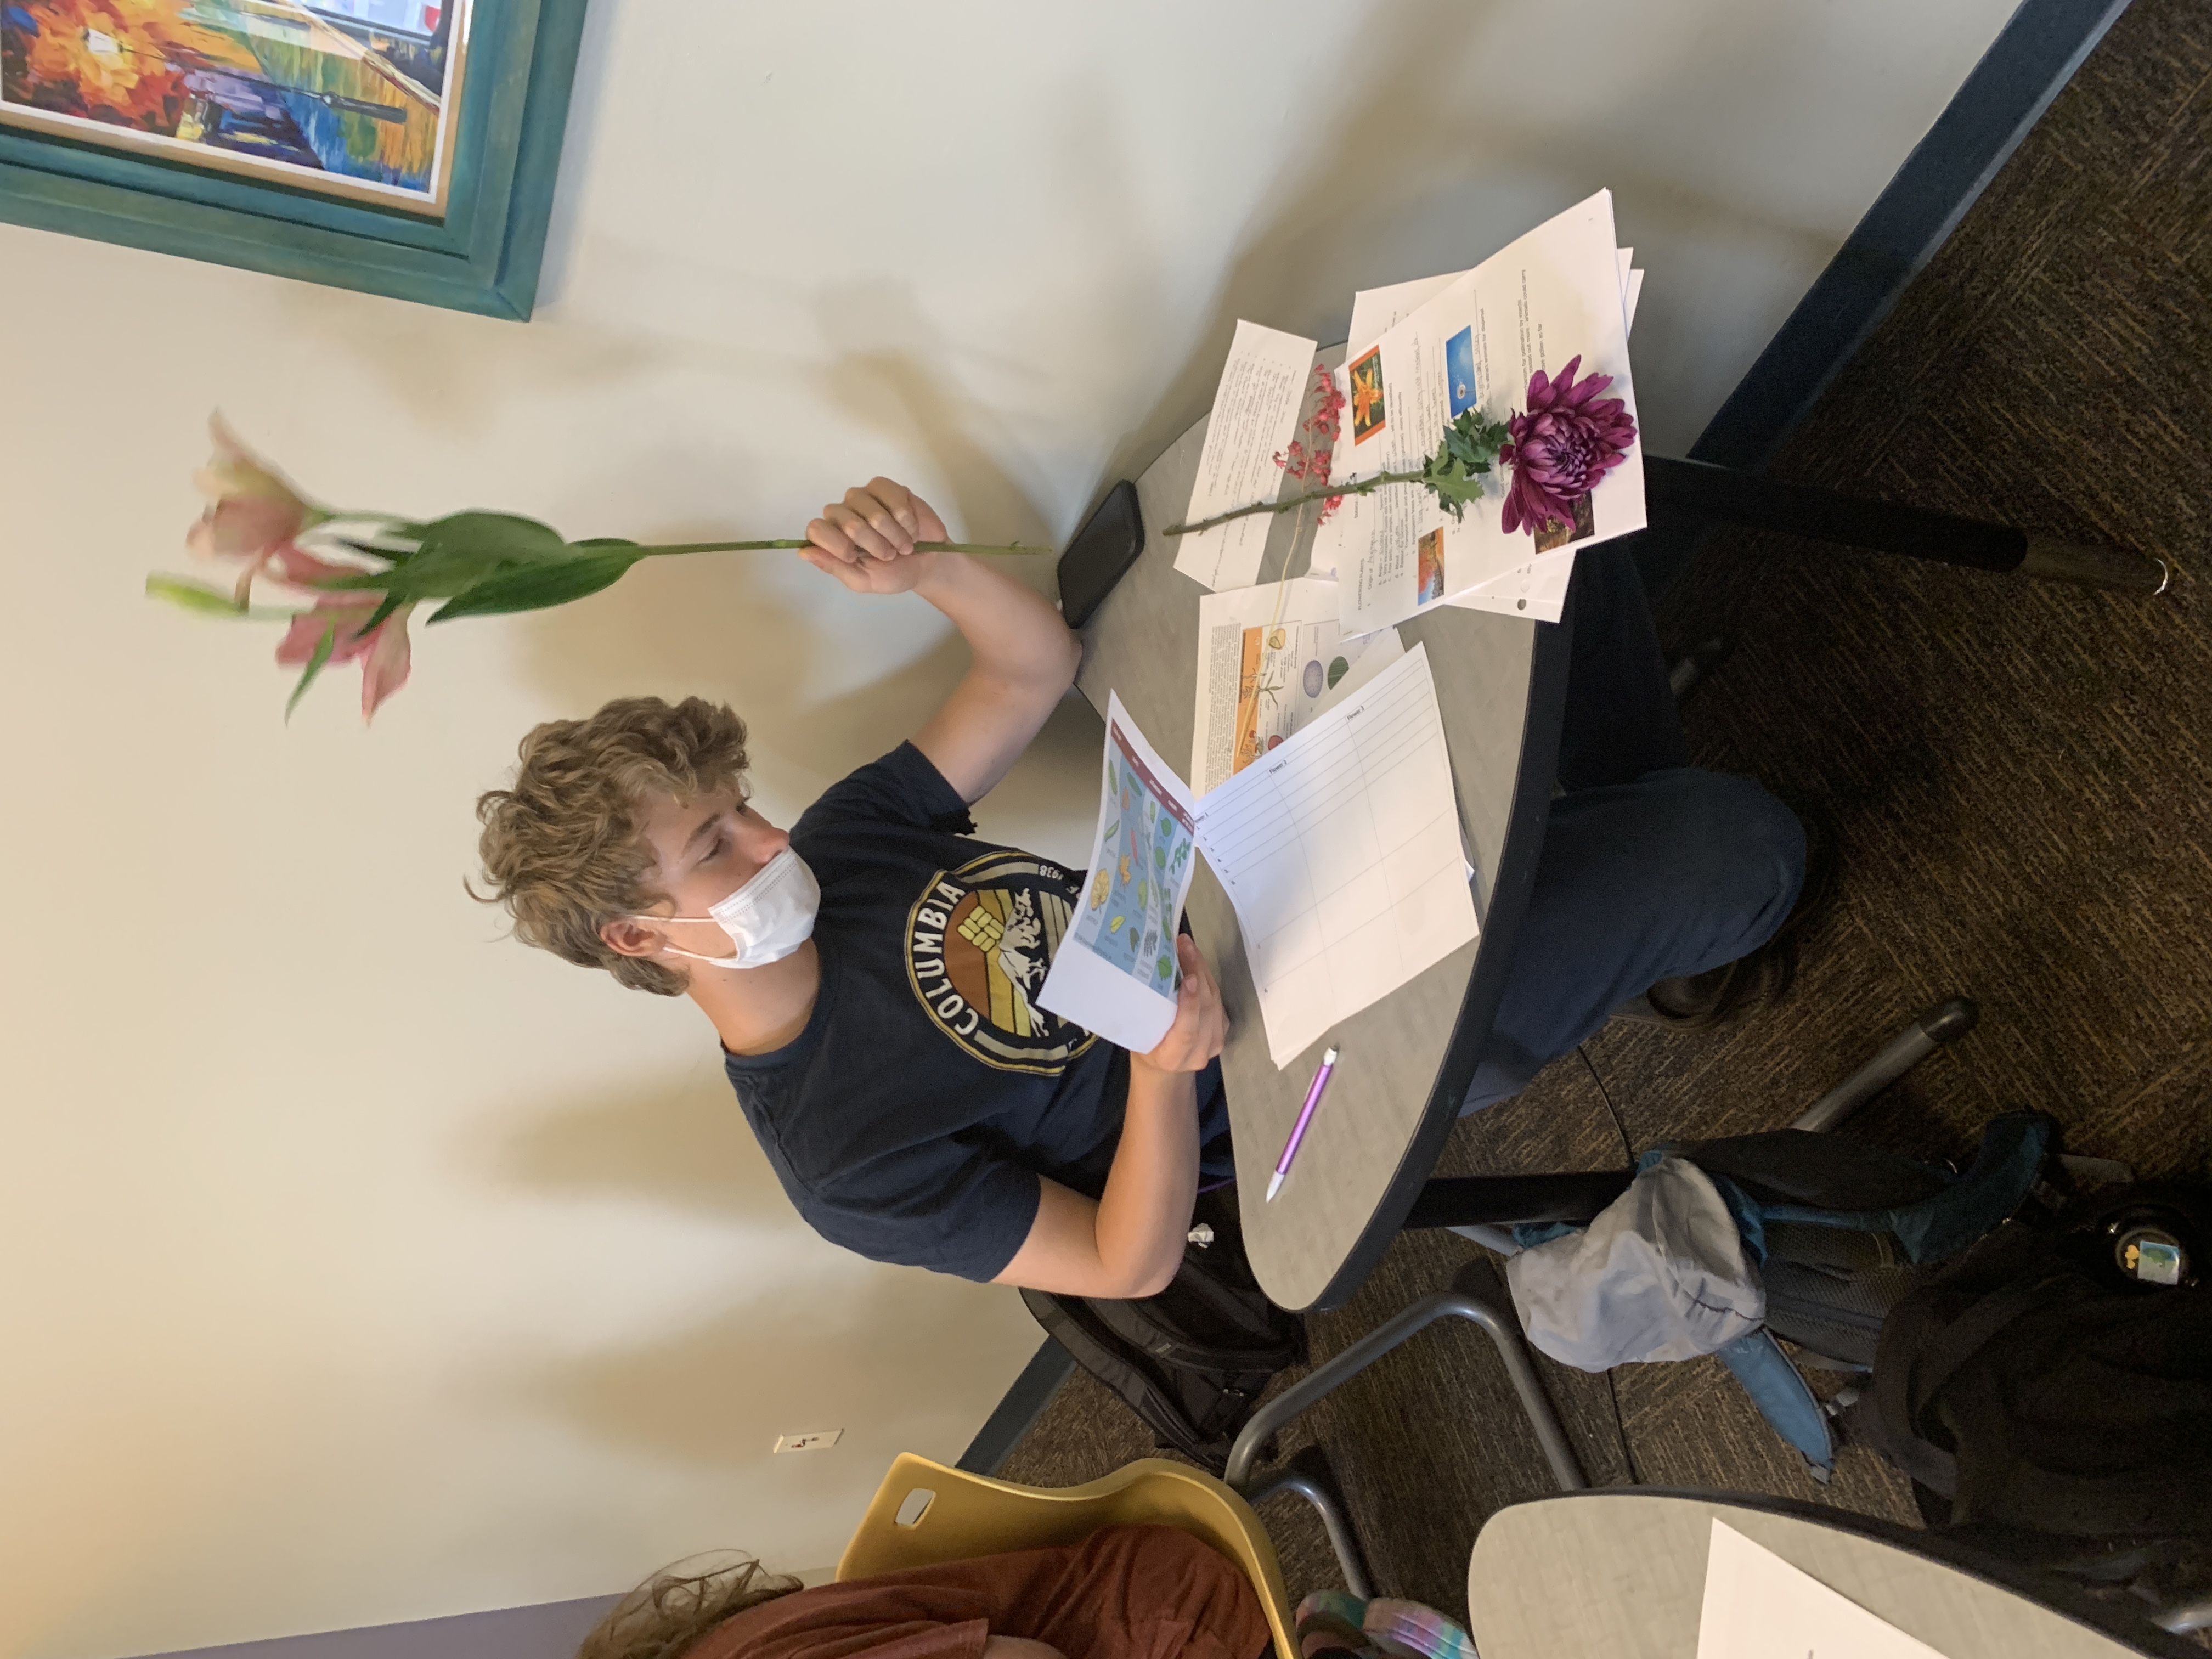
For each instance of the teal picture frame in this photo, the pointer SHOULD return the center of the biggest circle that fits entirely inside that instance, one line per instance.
(482, 255)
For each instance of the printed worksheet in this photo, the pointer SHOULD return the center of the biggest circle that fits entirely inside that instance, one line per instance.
(1537, 589)
(1340, 850)
(1758, 1606)
(1115, 973)
(1270, 658)
(1256, 411)
(1558, 292)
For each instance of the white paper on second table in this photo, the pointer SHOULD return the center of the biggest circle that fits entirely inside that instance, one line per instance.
(1115, 973)
(1757, 1605)
(1256, 411)
(1341, 852)
(1474, 341)
(1270, 658)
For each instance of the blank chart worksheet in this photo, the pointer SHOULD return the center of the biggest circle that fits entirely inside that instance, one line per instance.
(1341, 852)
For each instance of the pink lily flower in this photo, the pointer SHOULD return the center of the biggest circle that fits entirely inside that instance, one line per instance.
(384, 652)
(253, 513)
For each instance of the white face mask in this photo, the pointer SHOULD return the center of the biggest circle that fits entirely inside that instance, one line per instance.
(767, 919)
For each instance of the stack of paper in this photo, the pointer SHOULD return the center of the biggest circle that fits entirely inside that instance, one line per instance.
(1416, 355)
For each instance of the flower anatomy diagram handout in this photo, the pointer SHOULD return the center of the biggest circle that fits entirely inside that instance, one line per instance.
(1269, 659)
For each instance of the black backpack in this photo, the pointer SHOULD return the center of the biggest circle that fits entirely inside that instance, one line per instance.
(1193, 1361)
(2042, 1398)
(1845, 1230)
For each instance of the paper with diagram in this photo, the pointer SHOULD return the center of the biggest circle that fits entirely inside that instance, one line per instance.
(1255, 409)
(1269, 659)
(1555, 294)
(1340, 851)
(1116, 972)
(1757, 1605)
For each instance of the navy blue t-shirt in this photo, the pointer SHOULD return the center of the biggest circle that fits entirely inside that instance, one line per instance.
(910, 1119)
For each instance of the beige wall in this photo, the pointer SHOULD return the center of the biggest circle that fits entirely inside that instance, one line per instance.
(357, 1266)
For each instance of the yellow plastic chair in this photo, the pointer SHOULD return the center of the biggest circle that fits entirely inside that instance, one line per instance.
(924, 1513)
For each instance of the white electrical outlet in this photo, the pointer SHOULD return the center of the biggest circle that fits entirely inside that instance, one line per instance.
(814, 1442)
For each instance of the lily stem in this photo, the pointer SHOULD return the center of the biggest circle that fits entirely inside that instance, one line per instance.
(985, 549)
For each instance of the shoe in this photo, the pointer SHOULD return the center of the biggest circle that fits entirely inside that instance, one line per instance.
(1329, 1621)
(1693, 1002)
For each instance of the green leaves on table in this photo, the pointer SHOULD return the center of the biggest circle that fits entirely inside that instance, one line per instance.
(1469, 448)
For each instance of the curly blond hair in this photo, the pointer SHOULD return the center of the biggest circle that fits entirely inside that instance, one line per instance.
(671, 1610)
(562, 850)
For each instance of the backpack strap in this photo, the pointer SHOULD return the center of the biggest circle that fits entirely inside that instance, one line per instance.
(1783, 1397)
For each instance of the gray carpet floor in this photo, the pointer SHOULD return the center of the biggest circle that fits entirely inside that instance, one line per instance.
(2018, 773)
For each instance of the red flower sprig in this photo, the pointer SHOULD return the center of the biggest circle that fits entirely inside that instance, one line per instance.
(1312, 461)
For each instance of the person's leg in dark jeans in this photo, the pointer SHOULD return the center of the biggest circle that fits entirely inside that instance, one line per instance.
(1651, 869)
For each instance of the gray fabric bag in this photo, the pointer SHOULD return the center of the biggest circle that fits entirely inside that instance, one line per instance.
(1660, 1273)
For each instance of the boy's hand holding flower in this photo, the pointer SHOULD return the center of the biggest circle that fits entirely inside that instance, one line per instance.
(868, 540)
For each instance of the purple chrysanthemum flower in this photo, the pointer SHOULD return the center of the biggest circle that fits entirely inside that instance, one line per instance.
(1568, 440)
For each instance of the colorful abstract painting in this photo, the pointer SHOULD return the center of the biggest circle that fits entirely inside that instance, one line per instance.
(349, 98)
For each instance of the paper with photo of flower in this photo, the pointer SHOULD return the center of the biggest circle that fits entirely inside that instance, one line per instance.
(1564, 291)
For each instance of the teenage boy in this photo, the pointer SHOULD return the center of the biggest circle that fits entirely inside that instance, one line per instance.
(870, 972)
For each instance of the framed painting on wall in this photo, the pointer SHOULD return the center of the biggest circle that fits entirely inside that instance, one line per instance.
(401, 147)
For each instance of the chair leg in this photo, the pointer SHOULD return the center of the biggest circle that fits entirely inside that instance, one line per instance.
(1308, 1476)
(1685, 676)
(1947, 1022)
(1463, 1301)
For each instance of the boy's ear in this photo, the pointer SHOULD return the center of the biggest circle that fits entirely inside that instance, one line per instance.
(631, 938)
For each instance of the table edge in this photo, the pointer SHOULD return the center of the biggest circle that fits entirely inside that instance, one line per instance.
(2054, 1594)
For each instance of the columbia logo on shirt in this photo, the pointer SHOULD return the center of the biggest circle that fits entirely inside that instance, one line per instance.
(979, 940)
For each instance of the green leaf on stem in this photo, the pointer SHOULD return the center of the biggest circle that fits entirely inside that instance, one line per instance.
(1455, 473)
(502, 538)
(394, 579)
(459, 551)
(203, 597)
(323, 647)
(539, 586)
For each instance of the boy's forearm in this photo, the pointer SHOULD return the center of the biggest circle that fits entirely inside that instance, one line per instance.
(1145, 1212)
(1014, 631)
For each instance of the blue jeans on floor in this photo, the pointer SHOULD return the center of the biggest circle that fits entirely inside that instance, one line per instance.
(1650, 868)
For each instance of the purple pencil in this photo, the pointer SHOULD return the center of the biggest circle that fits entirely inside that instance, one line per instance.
(1298, 1129)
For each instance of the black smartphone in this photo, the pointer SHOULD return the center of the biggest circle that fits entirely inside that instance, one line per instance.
(1106, 546)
